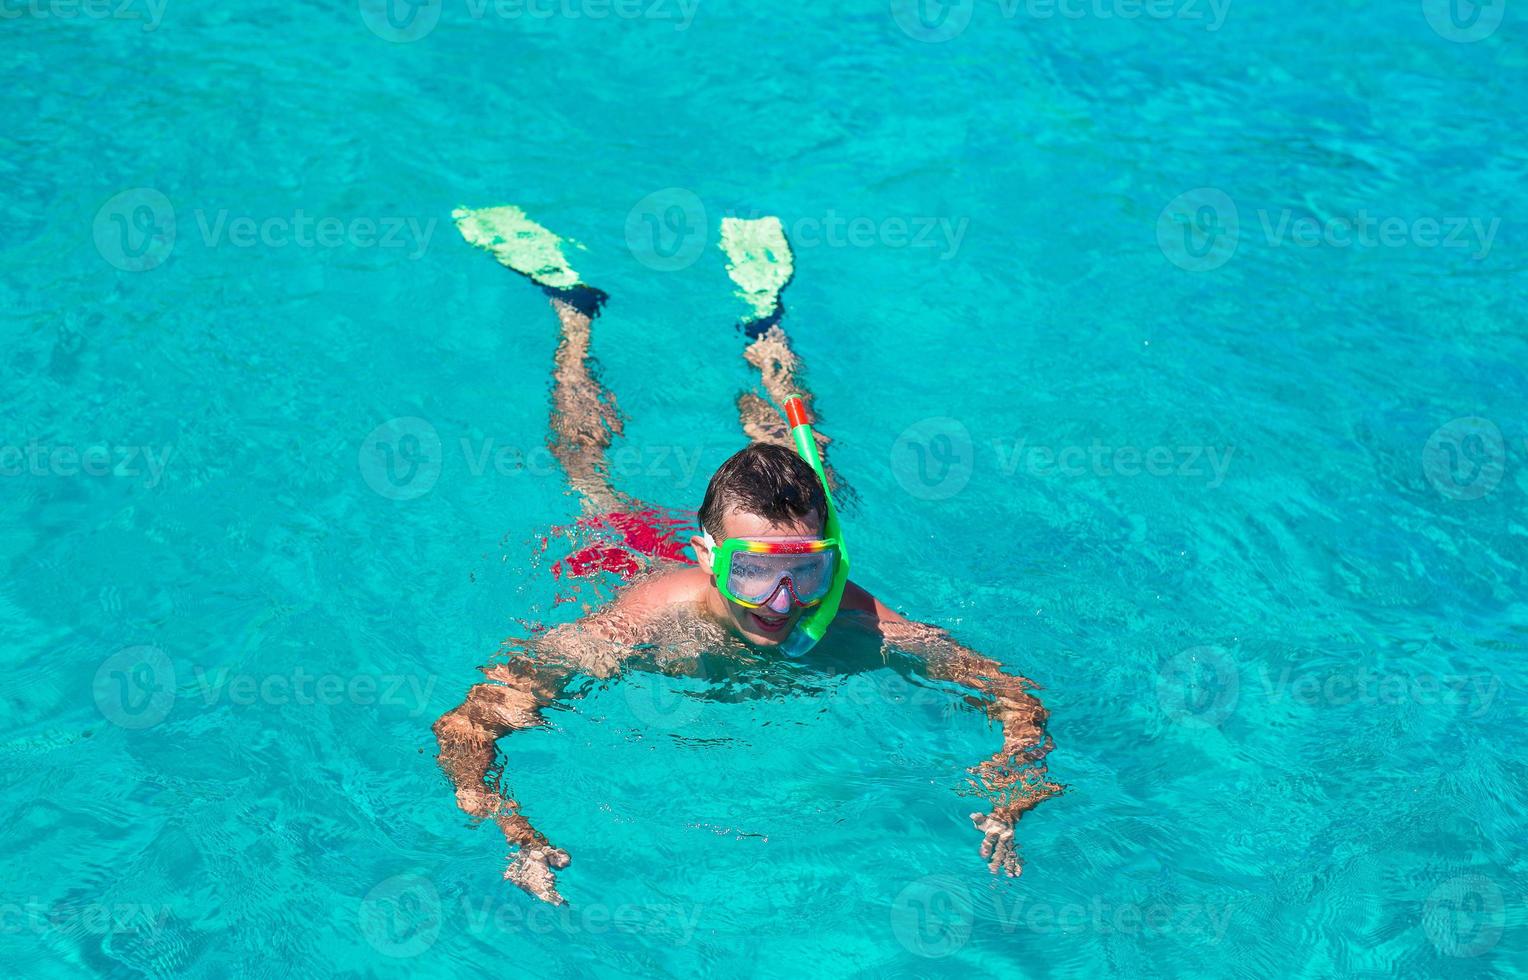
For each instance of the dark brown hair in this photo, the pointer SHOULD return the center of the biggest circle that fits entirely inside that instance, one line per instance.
(766, 480)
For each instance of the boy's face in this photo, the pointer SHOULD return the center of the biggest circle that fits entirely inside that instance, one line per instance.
(772, 622)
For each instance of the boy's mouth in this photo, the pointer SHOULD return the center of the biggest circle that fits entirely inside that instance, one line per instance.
(770, 624)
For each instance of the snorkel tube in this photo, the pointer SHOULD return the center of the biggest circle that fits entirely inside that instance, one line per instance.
(813, 625)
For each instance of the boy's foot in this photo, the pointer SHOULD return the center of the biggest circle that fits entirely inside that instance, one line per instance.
(759, 260)
(519, 244)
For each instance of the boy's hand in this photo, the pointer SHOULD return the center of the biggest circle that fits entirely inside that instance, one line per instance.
(997, 842)
(534, 867)
(533, 870)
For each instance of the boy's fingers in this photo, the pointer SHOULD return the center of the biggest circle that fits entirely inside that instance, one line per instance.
(997, 844)
(1004, 860)
(532, 871)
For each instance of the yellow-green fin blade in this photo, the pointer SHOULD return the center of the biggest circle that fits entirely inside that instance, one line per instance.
(759, 260)
(518, 243)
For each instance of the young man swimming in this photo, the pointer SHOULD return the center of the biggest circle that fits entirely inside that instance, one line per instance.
(765, 560)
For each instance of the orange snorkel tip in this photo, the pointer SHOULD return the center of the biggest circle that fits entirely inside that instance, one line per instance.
(795, 412)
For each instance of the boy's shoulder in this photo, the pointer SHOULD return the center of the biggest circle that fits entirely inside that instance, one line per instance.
(666, 587)
(858, 600)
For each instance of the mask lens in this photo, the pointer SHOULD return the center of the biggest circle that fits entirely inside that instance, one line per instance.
(811, 575)
(754, 576)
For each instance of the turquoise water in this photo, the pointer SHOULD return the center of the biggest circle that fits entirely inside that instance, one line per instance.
(1135, 390)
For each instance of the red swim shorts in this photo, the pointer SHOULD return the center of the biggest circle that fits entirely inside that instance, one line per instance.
(622, 539)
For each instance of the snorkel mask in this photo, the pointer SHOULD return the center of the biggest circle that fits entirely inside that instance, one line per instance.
(813, 571)
(752, 571)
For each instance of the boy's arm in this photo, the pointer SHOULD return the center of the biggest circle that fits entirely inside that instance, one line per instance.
(514, 699)
(467, 735)
(1014, 777)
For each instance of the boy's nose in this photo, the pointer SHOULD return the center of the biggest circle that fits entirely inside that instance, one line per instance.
(780, 601)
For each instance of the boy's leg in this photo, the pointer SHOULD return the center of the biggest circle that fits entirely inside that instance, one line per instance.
(585, 416)
(771, 353)
(761, 264)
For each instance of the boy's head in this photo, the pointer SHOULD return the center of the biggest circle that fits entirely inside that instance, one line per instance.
(763, 491)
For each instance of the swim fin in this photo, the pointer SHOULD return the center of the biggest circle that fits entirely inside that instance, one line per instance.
(518, 243)
(760, 262)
